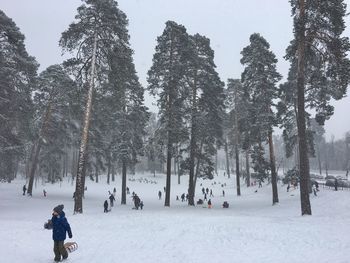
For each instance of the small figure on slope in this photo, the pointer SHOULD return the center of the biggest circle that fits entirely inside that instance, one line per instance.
(105, 206)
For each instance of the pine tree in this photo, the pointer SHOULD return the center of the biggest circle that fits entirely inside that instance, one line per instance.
(259, 78)
(100, 26)
(17, 81)
(130, 116)
(205, 102)
(320, 53)
(166, 79)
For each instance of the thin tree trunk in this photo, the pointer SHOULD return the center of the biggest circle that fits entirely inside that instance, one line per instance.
(197, 169)
(227, 159)
(319, 158)
(113, 173)
(108, 170)
(237, 171)
(273, 171)
(96, 173)
(123, 200)
(303, 152)
(192, 142)
(79, 189)
(247, 168)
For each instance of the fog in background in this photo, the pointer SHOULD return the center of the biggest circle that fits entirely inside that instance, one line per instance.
(227, 23)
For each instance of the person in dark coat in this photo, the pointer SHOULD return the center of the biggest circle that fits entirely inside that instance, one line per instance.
(141, 205)
(105, 206)
(137, 202)
(183, 197)
(336, 184)
(159, 195)
(111, 199)
(316, 185)
(60, 226)
(24, 189)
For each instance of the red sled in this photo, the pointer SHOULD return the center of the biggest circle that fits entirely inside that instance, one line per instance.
(71, 246)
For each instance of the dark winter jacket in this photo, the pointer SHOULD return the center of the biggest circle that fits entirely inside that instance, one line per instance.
(60, 226)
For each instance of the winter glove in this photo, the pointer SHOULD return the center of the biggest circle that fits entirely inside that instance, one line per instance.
(70, 235)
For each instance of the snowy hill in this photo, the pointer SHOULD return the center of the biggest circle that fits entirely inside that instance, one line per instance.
(250, 230)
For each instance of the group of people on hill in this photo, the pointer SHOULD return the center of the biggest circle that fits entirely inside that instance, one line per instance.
(138, 203)
(111, 201)
(25, 190)
(136, 199)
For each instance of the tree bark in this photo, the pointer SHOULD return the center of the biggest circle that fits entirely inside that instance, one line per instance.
(319, 158)
(247, 168)
(273, 171)
(79, 188)
(227, 159)
(192, 142)
(303, 152)
(123, 200)
(237, 171)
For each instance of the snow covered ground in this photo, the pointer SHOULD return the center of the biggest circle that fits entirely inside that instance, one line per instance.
(251, 230)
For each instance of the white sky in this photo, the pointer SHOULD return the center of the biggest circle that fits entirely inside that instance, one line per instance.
(228, 23)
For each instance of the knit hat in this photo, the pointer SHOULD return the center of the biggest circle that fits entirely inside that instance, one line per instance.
(58, 209)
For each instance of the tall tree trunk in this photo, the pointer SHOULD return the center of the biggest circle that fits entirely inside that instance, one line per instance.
(216, 162)
(227, 158)
(237, 139)
(197, 169)
(113, 173)
(170, 127)
(79, 187)
(123, 200)
(192, 142)
(237, 171)
(273, 171)
(168, 173)
(247, 168)
(303, 152)
(108, 170)
(38, 144)
(96, 173)
(319, 158)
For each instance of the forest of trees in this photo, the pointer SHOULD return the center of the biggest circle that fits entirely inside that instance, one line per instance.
(87, 116)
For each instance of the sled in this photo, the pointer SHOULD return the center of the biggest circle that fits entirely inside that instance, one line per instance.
(71, 246)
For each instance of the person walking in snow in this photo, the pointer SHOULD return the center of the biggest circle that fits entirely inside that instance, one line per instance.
(223, 193)
(211, 193)
(114, 191)
(336, 184)
(141, 205)
(24, 189)
(316, 185)
(127, 191)
(288, 187)
(183, 197)
(203, 190)
(105, 206)
(111, 199)
(60, 227)
(44, 192)
(137, 202)
(205, 197)
(314, 189)
(159, 195)
(207, 190)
